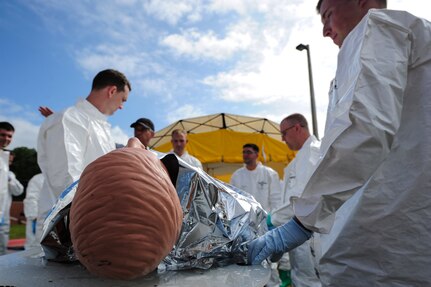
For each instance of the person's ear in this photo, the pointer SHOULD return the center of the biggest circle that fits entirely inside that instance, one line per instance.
(112, 90)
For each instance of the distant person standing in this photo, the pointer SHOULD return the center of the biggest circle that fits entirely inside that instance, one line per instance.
(179, 142)
(296, 135)
(258, 180)
(15, 188)
(263, 183)
(6, 134)
(143, 129)
(68, 141)
(31, 201)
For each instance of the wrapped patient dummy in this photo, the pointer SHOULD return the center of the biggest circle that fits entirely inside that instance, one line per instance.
(135, 210)
(123, 227)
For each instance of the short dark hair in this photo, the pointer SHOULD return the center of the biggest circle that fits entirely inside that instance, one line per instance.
(6, 126)
(178, 131)
(383, 4)
(252, 146)
(297, 119)
(110, 77)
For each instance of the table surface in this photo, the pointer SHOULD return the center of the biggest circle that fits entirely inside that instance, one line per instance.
(24, 269)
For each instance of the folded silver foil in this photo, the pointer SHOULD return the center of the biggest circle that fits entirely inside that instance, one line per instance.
(219, 221)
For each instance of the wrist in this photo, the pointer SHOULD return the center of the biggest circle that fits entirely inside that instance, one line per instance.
(268, 222)
(301, 225)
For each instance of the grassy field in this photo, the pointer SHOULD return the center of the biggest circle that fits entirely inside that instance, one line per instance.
(17, 231)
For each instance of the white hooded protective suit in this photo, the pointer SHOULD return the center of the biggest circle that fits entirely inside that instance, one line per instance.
(4, 171)
(262, 183)
(14, 188)
(376, 147)
(31, 202)
(296, 175)
(67, 143)
(4, 175)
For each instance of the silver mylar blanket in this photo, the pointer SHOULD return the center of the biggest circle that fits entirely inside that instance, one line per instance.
(219, 220)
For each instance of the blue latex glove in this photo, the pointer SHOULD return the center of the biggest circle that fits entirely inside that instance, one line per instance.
(279, 240)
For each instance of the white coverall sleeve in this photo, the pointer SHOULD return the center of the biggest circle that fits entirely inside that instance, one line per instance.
(363, 116)
(31, 200)
(15, 187)
(282, 214)
(62, 147)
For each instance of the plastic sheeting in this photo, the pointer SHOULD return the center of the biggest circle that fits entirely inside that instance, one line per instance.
(218, 221)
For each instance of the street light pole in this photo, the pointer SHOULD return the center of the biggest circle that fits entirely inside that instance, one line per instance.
(301, 47)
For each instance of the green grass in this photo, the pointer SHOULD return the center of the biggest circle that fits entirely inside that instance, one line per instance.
(17, 231)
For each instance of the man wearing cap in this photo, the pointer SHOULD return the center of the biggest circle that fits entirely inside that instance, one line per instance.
(143, 130)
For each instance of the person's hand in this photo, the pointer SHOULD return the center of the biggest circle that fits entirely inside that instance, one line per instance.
(277, 241)
(45, 111)
(135, 142)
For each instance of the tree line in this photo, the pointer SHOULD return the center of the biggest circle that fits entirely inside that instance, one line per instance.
(24, 166)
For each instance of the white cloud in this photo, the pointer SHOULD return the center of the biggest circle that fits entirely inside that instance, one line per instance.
(278, 73)
(9, 107)
(184, 112)
(119, 136)
(101, 57)
(23, 120)
(195, 44)
(172, 11)
(239, 6)
(25, 133)
(256, 39)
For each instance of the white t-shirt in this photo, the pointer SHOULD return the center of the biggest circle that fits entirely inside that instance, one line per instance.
(263, 183)
(189, 159)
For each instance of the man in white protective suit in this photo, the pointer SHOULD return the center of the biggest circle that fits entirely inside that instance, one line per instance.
(31, 201)
(258, 180)
(179, 142)
(14, 188)
(295, 133)
(70, 140)
(263, 183)
(7, 131)
(375, 165)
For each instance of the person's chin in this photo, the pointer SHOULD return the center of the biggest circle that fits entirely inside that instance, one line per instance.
(335, 42)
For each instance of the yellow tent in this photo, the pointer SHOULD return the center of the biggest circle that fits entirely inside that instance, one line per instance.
(217, 140)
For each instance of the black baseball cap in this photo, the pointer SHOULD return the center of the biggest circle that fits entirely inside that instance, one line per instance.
(146, 123)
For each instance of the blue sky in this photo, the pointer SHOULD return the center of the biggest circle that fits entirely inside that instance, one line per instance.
(184, 58)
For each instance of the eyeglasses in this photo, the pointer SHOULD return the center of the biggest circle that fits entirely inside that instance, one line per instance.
(284, 132)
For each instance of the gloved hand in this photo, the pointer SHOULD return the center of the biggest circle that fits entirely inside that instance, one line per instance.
(279, 240)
